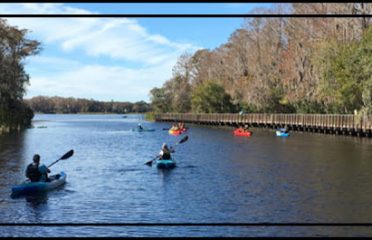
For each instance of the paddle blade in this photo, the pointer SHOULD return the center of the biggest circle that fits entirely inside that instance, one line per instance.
(184, 139)
(149, 163)
(67, 155)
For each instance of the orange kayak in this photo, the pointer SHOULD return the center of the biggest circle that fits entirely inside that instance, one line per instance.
(177, 132)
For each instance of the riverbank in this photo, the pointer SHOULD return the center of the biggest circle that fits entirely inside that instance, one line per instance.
(15, 119)
(338, 124)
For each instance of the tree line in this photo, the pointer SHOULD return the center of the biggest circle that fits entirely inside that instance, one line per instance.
(280, 65)
(44, 104)
(14, 48)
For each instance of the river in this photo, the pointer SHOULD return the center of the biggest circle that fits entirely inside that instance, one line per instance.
(219, 179)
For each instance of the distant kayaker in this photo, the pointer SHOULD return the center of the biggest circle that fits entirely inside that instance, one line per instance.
(140, 126)
(181, 125)
(284, 130)
(246, 128)
(165, 152)
(35, 172)
(240, 129)
(174, 127)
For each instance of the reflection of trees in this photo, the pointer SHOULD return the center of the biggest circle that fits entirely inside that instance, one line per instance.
(12, 157)
(12, 165)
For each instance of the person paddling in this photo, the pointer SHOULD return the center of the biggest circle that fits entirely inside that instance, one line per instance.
(284, 130)
(140, 127)
(175, 127)
(165, 152)
(240, 129)
(35, 172)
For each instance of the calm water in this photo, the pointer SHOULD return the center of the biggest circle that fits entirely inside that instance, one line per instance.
(306, 178)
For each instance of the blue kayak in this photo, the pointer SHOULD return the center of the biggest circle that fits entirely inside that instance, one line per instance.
(282, 134)
(165, 164)
(29, 187)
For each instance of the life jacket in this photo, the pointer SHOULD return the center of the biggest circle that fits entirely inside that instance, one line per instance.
(166, 155)
(44, 173)
(33, 173)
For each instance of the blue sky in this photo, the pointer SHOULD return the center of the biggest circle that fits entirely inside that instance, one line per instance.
(118, 59)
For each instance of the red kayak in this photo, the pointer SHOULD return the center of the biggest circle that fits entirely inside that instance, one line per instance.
(241, 132)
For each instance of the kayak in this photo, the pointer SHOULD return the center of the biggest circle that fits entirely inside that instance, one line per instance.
(29, 187)
(239, 132)
(165, 164)
(281, 134)
(143, 130)
(177, 132)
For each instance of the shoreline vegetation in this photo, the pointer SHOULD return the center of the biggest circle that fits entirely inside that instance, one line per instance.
(279, 65)
(44, 104)
(14, 49)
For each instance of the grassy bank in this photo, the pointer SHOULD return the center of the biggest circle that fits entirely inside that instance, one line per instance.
(150, 116)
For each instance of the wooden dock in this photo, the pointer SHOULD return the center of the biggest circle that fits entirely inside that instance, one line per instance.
(345, 124)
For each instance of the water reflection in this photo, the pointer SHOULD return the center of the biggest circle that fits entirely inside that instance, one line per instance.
(12, 160)
(165, 174)
(37, 199)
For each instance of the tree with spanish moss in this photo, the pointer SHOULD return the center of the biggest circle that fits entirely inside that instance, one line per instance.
(15, 47)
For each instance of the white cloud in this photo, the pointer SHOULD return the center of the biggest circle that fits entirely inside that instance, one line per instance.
(48, 64)
(121, 41)
(120, 38)
(100, 82)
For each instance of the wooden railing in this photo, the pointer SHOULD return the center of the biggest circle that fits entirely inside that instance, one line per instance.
(333, 123)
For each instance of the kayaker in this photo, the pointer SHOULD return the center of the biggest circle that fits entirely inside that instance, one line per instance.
(286, 129)
(174, 127)
(165, 152)
(246, 128)
(140, 126)
(32, 171)
(35, 172)
(240, 129)
(181, 126)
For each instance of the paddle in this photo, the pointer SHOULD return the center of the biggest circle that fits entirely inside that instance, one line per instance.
(184, 139)
(64, 157)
